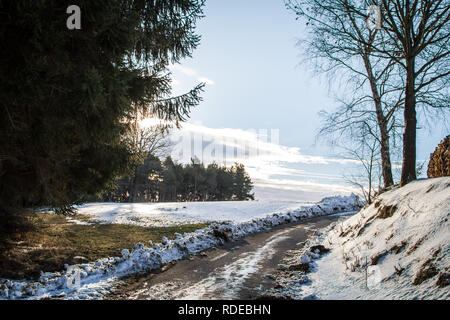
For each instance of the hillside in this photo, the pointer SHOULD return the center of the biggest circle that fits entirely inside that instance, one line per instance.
(396, 248)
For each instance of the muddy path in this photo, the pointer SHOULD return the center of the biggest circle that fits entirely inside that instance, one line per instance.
(237, 270)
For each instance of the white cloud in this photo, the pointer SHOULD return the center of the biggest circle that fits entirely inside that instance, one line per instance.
(206, 80)
(187, 71)
(269, 164)
(310, 186)
(250, 144)
(190, 73)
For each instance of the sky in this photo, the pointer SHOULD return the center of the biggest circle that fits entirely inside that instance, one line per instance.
(263, 102)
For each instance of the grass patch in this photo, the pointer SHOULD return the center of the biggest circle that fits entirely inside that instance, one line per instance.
(49, 241)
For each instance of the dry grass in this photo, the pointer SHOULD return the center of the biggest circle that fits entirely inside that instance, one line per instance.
(385, 212)
(415, 246)
(443, 280)
(304, 267)
(221, 234)
(374, 260)
(396, 249)
(322, 250)
(45, 242)
(366, 224)
(427, 271)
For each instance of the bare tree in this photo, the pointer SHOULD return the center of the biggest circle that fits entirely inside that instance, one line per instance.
(369, 182)
(414, 37)
(419, 31)
(341, 41)
(145, 141)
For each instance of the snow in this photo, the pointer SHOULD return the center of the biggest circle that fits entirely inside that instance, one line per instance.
(76, 221)
(176, 213)
(93, 280)
(379, 257)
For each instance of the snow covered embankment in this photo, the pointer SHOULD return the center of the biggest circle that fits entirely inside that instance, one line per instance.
(396, 248)
(92, 280)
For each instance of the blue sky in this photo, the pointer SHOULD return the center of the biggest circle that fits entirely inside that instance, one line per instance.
(249, 60)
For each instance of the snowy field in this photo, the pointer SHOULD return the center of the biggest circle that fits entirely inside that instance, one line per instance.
(176, 213)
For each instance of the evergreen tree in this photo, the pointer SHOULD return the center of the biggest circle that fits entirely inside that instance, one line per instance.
(67, 94)
(211, 181)
(172, 179)
(149, 175)
(242, 184)
(224, 184)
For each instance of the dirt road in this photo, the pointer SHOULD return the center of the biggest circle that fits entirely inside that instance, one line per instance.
(237, 270)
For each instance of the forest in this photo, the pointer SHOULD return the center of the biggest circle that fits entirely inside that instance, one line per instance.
(156, 181)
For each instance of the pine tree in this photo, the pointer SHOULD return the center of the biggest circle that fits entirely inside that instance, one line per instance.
(242, 184)
(172, 179)
(147, 180)
(224, 184)
(66, 94)
(211, 181)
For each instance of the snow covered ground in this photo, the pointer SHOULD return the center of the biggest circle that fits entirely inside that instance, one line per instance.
(176, 213)
(93, 280)
(396, 248)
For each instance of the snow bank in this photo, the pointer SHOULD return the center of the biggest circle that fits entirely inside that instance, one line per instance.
(396, 248)
(92, 280)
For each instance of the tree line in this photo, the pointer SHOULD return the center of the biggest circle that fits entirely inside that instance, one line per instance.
(157, 181)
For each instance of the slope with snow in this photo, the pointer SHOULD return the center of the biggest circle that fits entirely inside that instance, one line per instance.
(396, 248)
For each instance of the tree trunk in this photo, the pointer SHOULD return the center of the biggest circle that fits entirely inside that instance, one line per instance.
(386, 166)
(409, 136)
(386, 162)
(133, 186)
